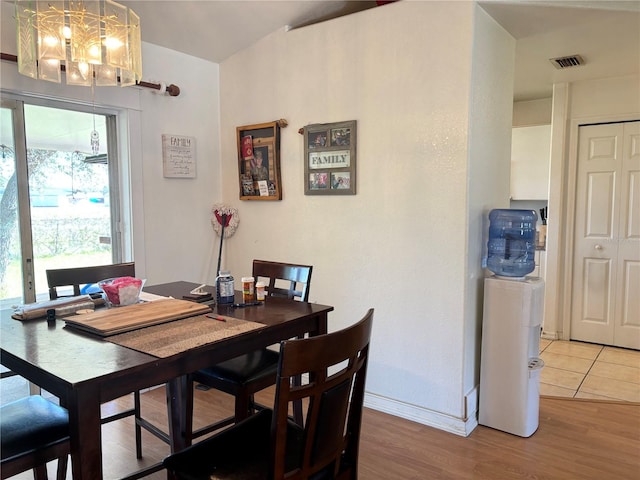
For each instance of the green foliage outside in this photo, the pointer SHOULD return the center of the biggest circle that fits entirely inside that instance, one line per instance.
(67, 230)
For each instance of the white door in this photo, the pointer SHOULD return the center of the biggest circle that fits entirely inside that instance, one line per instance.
(606, 263)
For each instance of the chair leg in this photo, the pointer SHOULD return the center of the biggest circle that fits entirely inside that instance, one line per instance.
(40, 472)
(137, 415)
(171, 476)
(62, 468)
(251, 405)
(243, 400)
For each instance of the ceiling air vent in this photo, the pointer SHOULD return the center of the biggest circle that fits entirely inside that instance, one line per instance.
(567, 62)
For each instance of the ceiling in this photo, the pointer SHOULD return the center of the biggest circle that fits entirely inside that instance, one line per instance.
(607, 39)
(605, 33)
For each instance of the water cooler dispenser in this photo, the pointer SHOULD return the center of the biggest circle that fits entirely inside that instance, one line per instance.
(510, 366)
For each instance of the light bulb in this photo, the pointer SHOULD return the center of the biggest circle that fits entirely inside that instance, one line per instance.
(113, 43)
(84, 69)
(94, 53)
(50, 40)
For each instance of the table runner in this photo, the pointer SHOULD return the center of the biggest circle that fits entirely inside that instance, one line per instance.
(180, 335)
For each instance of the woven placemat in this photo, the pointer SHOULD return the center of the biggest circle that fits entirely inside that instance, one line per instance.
(181, 335)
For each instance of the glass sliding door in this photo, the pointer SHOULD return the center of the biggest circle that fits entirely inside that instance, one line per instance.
(55, 170)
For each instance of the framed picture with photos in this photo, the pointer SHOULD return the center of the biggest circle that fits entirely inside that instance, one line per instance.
(330, 158)
(259, 161)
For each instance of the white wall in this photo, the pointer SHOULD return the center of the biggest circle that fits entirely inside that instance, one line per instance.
(532, 112)
(408, 244)
(179, 241)
(488, 175)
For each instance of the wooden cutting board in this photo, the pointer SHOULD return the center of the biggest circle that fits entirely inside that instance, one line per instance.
(124, 319)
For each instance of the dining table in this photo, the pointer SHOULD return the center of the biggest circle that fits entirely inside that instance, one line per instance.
(85, 370)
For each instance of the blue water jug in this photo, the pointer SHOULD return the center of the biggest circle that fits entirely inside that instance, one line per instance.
(511, 246)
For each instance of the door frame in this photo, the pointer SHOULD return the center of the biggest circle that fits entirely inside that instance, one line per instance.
(23, 200)
(561, 280)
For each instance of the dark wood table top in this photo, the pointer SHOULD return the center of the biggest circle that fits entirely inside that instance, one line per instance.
(65, 357)
(85, 371)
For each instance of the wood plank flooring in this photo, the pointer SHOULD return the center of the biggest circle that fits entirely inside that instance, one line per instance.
(576, 440)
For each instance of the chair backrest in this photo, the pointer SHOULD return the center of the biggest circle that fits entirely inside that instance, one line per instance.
(331, 435)
(79, 276)
(296, 277)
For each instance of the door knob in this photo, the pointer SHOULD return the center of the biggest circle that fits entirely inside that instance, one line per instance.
(598, 247)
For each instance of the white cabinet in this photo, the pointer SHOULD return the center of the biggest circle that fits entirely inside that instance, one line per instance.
(530, 157)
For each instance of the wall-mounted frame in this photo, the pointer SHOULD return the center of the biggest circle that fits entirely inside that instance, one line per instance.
(330, 158)
(259, 161)
(178, 156)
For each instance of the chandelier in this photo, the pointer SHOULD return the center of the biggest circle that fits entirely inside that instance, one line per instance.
(94, 39)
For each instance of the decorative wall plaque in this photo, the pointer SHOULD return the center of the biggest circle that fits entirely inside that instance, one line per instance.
(178, 156)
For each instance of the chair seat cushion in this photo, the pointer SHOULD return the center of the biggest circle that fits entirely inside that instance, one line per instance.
(238, 453)
(246, 368)
(31, 423)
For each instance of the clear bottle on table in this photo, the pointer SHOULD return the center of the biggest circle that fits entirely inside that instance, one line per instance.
(224, 288)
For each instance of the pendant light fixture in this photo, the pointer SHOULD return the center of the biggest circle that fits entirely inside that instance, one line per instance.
(90, 40)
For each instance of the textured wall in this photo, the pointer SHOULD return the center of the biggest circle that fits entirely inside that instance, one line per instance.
(401, 244)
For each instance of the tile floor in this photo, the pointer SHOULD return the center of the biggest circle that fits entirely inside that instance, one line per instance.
(584, 370)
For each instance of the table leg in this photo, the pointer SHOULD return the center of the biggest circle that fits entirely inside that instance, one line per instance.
(85, 434)
(180, 421)
(322, 325)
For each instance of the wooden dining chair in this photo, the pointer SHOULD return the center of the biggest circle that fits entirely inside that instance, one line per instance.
(77, 278)
(80, 276)
(268, 445)
(33, 431)
(247, 374)
(287, 280)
